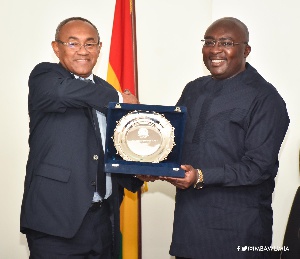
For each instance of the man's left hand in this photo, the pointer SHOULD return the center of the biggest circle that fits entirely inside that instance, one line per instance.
(189, 179)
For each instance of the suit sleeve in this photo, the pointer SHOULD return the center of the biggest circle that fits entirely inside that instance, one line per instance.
(52, 89)
(129, 182)
(267, 126)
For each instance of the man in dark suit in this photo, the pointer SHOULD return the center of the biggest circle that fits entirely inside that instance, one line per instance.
(235, 126)
(66, 209)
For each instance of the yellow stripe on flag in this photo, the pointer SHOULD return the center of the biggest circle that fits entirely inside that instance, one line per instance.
(112, 78)
(129, 225)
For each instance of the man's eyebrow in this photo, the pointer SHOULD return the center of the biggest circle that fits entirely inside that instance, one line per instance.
(91, 38)
(212, 38)
(226, 38)
(75, 38)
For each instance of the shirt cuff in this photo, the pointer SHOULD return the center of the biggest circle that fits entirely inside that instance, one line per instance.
(120, 97)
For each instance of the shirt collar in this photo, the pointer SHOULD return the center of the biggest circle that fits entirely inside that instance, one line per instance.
(90, 77)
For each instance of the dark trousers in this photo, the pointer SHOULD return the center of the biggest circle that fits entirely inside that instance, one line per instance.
(93, 239)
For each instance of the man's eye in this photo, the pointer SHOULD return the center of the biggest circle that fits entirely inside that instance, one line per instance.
(73, 44)
(209, 43)
(226, 43)
(89, 45)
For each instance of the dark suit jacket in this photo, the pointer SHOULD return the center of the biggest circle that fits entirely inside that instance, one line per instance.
(61, 171)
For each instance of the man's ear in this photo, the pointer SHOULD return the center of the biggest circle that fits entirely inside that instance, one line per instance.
(247, 51)
(55, 48)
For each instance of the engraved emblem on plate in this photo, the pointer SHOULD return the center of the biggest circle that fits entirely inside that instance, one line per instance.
(144, 137)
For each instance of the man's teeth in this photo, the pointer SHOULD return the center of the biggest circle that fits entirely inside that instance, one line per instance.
(217, 61)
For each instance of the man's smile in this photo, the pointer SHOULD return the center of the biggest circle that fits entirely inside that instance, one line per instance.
(217, 62)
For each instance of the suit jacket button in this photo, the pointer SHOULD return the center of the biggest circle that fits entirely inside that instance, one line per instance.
(93, 183)
(95, 157)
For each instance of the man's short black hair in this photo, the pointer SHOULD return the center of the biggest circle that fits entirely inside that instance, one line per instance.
(58, 29)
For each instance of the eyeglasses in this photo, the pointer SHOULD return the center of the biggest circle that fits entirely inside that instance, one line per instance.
(221, 43)
(76, 46)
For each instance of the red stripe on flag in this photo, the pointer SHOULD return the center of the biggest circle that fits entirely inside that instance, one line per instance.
(121, 57)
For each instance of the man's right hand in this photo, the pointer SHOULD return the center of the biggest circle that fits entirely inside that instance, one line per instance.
(128, 97)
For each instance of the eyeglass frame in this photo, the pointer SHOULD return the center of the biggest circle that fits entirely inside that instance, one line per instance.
(218, 41)
(79, 44)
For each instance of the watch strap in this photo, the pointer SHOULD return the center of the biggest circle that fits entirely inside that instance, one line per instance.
(200, 181)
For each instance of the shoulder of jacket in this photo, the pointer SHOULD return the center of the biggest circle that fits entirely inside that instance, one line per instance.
(198, 81)
(48, 65)
(258, 83)
(45, 67)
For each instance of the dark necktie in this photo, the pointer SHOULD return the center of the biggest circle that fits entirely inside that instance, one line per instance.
(101, 177)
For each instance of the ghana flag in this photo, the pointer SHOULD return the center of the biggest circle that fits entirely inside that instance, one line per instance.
(122, 74)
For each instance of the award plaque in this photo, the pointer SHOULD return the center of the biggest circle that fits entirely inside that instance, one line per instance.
(144, 139)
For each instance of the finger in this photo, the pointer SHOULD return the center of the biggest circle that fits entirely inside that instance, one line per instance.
(185, 167)
(174, 182)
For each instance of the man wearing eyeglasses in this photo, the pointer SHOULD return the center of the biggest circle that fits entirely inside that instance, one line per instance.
(67, 202)
(235, 127)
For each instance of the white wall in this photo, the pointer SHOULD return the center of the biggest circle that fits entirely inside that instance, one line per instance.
(169, 55)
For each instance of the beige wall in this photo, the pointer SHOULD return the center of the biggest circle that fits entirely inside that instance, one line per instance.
(169, 55)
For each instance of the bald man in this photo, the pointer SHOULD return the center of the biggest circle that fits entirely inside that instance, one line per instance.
(235, 127)
(69, 202)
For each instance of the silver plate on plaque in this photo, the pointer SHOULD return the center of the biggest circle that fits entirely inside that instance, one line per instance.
(144, 136)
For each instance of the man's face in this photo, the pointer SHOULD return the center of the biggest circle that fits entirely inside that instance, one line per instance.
(80, 62)
(225, 62)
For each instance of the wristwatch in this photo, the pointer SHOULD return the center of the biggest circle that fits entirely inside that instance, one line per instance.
(200, 181)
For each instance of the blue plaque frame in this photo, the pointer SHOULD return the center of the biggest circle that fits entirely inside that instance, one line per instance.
(114, 163)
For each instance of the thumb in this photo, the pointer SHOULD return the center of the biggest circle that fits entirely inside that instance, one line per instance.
(186, 167)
